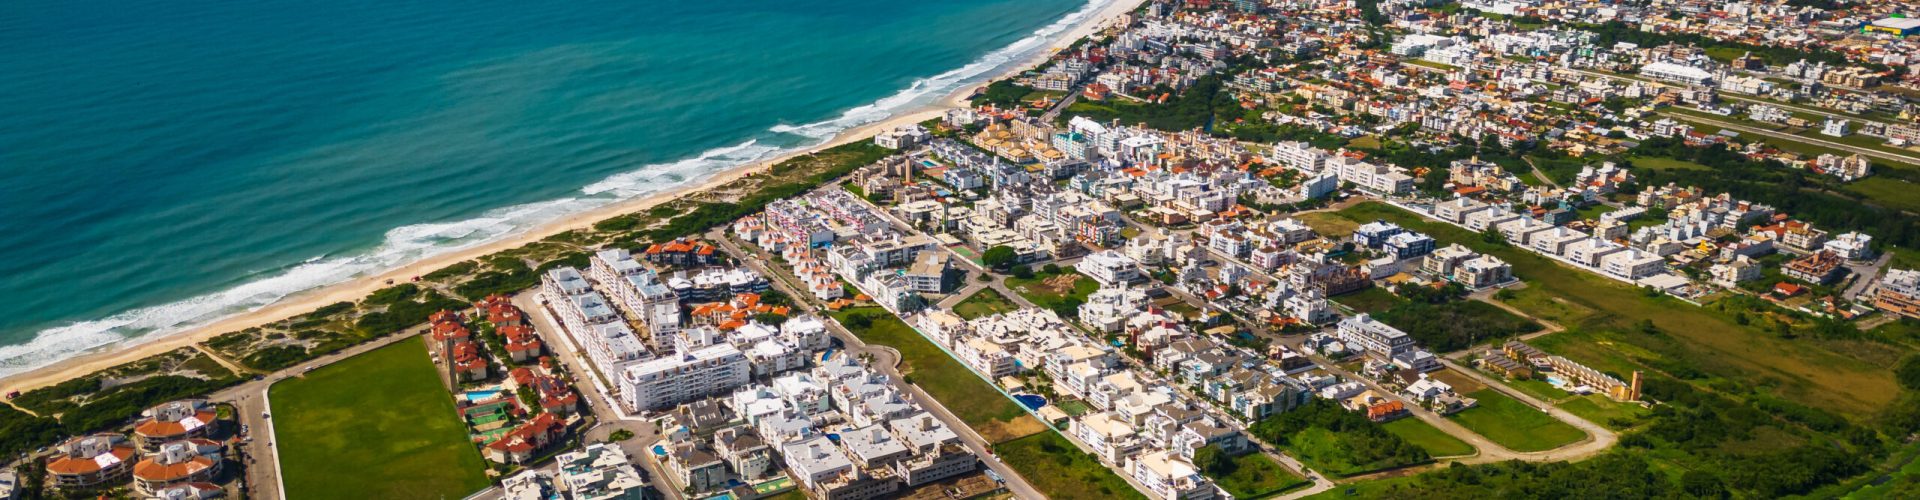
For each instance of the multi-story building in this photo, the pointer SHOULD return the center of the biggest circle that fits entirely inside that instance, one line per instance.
(173, 421)
(601, 471)
(1819, 268)
(1378, 339)
(89, 461)
(1170, 476)
(1110, 267)
(684, 376)
(177, 462)
(639, 289)
(1899, 293)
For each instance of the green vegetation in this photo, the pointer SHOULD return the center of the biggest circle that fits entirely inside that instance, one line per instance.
(1606, 476)
(21, 432)
(1252, 475)
(1371, 300)
(1810, 197)
(1515, 425)
(1688, 339)
(1601, 410)
(986, 302)
(116, 395)
(995, 416)
(1430, 438)
(1062, 291)
(379, 425)
(1055, 467)
(1337, 442)
(1188, 109)
(1442, 320)
(1003, 94)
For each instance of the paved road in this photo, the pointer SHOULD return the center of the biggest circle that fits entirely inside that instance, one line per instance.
(1732, 96)
(1865, 275)
(1796, 138)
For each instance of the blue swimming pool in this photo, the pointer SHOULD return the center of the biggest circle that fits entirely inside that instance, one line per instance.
(1032, 402)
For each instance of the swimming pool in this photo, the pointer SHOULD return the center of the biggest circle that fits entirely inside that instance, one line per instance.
(1031, 401)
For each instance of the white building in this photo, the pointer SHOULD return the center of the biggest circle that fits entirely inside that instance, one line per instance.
(1109, 267)
(684, 376)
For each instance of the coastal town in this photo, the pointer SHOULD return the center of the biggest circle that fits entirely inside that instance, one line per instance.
(1216, 249)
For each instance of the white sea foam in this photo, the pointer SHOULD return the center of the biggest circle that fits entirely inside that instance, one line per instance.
(413, 243)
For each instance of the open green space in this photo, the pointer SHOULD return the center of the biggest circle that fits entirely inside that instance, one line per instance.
(1599, 409)
(980, 405)
(1329, 224)
(986, 302)
(1704, 340)
(1055, 290)
(1255, 475)
(378, 425)
(1658, 163)
(1888, 192)
(1513, 424)
(1055, 467)
(1370, 300)
(1337, 442)
(1437, 443)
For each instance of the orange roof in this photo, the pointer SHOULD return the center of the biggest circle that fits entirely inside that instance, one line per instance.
(69, 465)
(153, 470)
(155, 428)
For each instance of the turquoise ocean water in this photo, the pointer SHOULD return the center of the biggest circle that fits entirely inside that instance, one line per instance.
(165, 164)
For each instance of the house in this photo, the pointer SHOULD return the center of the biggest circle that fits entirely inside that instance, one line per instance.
(1111, 438)
(600, 471)
(1110, 268)
(522, 443)
(1729, 274)
(696, 466)
(744, 452)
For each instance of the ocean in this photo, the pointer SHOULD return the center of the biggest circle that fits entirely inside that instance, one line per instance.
(164, 164)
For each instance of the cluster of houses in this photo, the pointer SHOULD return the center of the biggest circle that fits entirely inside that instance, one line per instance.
(175, 450)
(840, 429)
(509, 428)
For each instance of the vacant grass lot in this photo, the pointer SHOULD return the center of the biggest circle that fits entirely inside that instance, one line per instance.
(1658, 163)
(1515, 425)
(1430, 438)
(378, 425)
(1254, 475)
(1055, 467)
(1329, 452)
(1049, 290)
(1370, 300)
(1600, 410)
(990, 413)
(1693, 337)
(987, 302)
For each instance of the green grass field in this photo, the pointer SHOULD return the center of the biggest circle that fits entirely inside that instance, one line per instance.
(1430, 438)
(1658, 163)
(986, 302)
(378, 425)
(1601, 313)
(1888, 192)
(1370, 300)
(1600, 410)
(992, 414)
(1254, 475)
(1513, 424)
(1055, 467)
(1042, 291)
(1328, 452)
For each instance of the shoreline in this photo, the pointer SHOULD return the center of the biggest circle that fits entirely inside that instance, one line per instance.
(110, 355)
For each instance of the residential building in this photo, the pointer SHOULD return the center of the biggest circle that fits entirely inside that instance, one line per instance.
(89, 461)
(600, 471)
(176, 462)
(1899, 293)
(173, 421)
(683, 376)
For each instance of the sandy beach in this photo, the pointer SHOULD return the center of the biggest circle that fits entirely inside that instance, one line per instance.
(357, 288)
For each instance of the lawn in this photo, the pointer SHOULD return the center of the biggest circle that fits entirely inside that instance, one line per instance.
(1515, 425)
(1050, 290)
(1370, 300)
(1601, 410)
(1256, 475)
(1055, 467)
(1329, 224)
(1329, 452)
(980, 405)
(1658, 163)
(1887, 192)
(378, 425)
(1437, 443)
(1696, 337)
(987, 302)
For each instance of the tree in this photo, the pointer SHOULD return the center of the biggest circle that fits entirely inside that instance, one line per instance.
(858, 321)
(999, 257)
(1050, 268)
(1023, 272)
(1909, 373)
(1211, 460)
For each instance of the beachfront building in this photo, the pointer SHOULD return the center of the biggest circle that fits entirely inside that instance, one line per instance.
(177, 462)
(639, 289)
(173, 421)
(89, 461)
